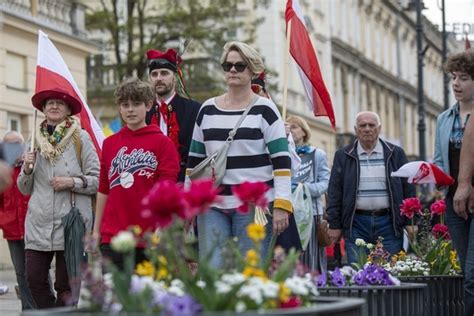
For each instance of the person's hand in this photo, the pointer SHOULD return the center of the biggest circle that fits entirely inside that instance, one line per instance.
(334, 235)
(280, 221)
(462, 200)
(29, 161)
(412, 231)
(91, 244)
(287, 129)
(61, 183)
(5, 176)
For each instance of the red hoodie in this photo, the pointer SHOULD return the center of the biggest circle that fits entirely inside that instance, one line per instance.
(132, 161)
(13, 208)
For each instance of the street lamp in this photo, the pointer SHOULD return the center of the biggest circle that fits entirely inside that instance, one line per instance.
(421, 98)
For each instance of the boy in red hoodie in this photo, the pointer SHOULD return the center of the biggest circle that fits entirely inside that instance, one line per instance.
(13, 208)
(132, 161)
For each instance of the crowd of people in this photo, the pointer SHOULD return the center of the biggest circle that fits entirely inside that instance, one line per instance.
(165, 136)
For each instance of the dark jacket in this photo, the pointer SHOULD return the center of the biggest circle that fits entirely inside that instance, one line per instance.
(186, 113)
(344, 182)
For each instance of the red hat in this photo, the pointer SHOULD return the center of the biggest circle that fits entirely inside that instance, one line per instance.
(40, 98)
(157, 59)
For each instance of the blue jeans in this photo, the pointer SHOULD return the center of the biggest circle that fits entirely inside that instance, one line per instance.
(218, 226)
(17, 254)
(369, 228)
(462, 234)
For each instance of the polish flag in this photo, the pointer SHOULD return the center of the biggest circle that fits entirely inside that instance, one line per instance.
(419, 172)
(51, 72)
(304, 55)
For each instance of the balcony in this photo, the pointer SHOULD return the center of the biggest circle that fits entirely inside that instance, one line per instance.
(64, 16)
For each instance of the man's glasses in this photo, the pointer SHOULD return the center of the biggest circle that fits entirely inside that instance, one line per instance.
(239, 66)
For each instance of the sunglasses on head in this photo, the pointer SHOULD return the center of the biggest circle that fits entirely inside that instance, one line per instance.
(239, 66)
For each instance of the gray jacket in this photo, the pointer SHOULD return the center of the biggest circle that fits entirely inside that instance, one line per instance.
(43, 227)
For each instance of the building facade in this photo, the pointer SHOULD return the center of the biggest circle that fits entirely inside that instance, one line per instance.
(20, 21)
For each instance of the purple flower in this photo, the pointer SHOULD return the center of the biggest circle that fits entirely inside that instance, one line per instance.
(360, 278)
(337, 278)
(321, 280)
(180, 305)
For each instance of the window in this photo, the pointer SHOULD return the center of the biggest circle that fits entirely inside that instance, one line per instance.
(14, 122)
(16, 70)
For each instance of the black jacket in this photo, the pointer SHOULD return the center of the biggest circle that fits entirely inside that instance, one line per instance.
(344, 182)
(186, 113)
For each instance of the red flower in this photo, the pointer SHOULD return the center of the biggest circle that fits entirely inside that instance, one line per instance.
(164, 200)
(294, 301)
(440, 231)
(251, 193)
(200, 196)
(410, 206)
(438, 207)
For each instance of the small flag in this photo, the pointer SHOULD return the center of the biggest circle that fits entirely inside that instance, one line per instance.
(419, 172)
(51, 72)
(112, 127)
(304, 55)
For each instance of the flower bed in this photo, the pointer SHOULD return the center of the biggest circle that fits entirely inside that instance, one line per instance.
(323, 306)
(384, 300)
(444, 294)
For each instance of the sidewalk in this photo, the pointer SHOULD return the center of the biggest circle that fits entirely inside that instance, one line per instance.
(10, 305)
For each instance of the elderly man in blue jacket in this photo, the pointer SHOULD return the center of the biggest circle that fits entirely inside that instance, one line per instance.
(364, 200)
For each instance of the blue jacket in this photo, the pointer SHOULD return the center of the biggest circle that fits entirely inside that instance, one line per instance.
(344, 182)
(444, 126)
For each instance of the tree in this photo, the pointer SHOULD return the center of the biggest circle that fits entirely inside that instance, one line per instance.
(200, 27)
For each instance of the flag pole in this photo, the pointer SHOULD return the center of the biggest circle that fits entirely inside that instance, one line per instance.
(33, 134)
(285, 71)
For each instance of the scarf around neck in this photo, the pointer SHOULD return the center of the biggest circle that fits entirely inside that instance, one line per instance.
(52, 146)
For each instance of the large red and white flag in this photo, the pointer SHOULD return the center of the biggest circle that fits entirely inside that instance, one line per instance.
(304, 55)
(51, 72)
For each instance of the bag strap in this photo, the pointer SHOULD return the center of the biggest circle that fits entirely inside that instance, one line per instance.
(232, 133)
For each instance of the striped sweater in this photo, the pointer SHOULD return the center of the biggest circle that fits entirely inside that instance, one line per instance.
(259, 152)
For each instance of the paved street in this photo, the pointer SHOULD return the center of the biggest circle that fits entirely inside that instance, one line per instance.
(9, 304)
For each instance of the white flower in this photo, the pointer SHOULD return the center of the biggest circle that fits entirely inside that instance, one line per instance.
(240, 307)
(233, 279)
(297, 285)
(222, 287)
(176, 287)
(360, 242)
(370, 246)
(201, 284)
(270, 289)
(123, 242)
(348, 271)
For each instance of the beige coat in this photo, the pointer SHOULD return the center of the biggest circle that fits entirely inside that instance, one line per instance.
(43, 226)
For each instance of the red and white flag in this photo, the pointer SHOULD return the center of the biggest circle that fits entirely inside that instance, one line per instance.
(304, 55)
(419, 172)
(51, 72)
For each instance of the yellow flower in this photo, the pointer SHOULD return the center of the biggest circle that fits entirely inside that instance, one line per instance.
(284, 293)
(162, 273)
(453, 259)
(251, 271)
(136, 230)
(256, 232)
(155, 239)
(402, 255)
(145, 268)
(162, 260)
(252, 257)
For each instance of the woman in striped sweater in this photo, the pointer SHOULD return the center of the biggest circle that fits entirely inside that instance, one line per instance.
(259, 153)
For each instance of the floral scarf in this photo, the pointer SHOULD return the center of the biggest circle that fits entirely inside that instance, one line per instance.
(52, 146)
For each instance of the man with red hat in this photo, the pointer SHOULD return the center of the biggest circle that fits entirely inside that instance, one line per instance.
(174, 114)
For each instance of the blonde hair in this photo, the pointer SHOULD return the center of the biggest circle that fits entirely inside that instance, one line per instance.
(301, 122)
(250, 56)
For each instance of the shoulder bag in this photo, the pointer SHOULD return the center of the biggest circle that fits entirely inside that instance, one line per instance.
(214, 166)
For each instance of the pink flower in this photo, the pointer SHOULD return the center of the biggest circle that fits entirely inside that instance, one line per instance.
(410, 206)
(438, 207)
(440, 231)
(251, 193)
(294, 301)
(164, 200)
(200, 196)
